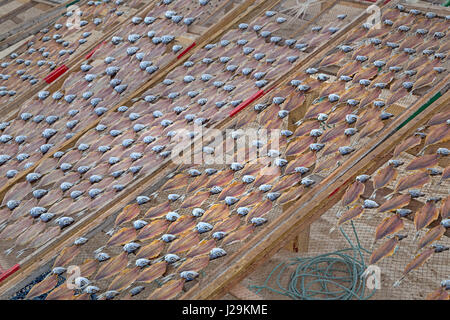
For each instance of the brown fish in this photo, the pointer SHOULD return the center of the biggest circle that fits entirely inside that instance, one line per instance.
(43, 287)
(426, 215)
(152, 272)
(158, 211)
(384, 176)
(425, 161)
(395, 202)
(217, 212)
(196, 263)
(112, 266)
(418, 261)
(60, 293)
(438, 134)
(66, 256)
(406, 145)
(177, 182)
(412, 181)
(195, 200)
(239, 235)
(151, 250)
(168, 291)
(153, 229)
(128, 213)
(388, 226)
(124, 279)
(385, 250)
(432, 235)
(122, 237)
(201, 248)
(353, 213)
(353, 193)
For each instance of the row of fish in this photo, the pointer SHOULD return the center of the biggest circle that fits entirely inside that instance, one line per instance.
(126, 145)
(206, 208)
(400, 190)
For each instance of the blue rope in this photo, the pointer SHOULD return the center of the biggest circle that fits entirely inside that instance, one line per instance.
(338, 275)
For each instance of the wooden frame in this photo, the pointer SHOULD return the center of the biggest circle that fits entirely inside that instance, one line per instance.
(162, 171)
(260, 247)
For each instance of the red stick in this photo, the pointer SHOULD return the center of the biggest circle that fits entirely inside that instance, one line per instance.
(55, 74)
(186, 50)
(9, 272)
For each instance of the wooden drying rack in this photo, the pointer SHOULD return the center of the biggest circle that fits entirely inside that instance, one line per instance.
(240, 264)
(9, 110)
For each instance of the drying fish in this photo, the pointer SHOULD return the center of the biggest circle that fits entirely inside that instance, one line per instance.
(127, 214)
(395, 202)
(351, 214)
(412, 181)
(382, 178)
(388, 226)
(43, 287)
(386, 249)
(124, 279)
(178, 181)
(423, 162)
(168, 291)
(433, 234)
(438, 134)
(158, 211)
(426, 215)
(122, 236)
(409, 143)
(152, 273)
(153, 229)
(419, 261)
(112, 267)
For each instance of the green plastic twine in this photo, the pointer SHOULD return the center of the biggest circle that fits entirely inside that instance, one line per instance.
(338, 275)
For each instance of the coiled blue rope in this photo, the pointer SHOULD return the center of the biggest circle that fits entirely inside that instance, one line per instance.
(332, 276)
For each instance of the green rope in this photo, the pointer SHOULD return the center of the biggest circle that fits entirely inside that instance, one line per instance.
(338, 274)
